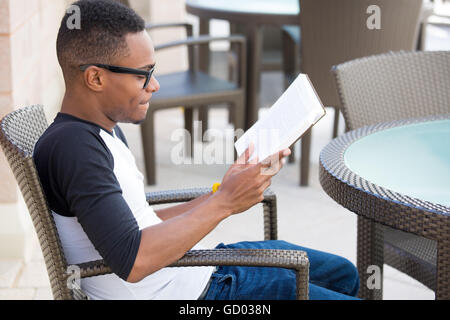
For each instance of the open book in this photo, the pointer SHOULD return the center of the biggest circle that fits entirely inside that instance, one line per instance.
(297, 110)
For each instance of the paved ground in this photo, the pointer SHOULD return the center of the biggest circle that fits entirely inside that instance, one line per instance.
(307, 216)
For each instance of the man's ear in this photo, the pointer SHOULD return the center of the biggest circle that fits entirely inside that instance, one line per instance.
(94, 78)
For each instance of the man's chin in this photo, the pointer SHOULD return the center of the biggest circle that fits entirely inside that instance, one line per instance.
(132, 120)
(139, 121)
(142, 115)
(137, 118)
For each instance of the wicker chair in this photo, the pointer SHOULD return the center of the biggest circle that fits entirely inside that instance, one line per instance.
(333, 32)
(193, 89)
(388, 87)
(19, 132)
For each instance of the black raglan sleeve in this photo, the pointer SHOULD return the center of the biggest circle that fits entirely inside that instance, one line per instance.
(77, 172)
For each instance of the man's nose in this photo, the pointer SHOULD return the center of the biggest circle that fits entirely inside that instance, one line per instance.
(153, 86)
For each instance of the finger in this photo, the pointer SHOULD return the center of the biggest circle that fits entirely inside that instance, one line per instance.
(254, 160)
(270, 171)
(279, 160)
(247, 154)
(254, 169)
(267, 162)
(284, 153)
(273, 167)
(276, 156)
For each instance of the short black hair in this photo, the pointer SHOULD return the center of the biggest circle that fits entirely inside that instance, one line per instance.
(100, 38)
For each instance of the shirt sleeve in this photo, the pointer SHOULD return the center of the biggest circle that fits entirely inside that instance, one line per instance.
(79, 173)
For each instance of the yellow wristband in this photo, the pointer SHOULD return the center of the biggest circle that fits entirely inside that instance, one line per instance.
(215, 187)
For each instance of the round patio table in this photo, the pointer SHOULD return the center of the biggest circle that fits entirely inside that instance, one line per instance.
(252, 14)
(396, 174)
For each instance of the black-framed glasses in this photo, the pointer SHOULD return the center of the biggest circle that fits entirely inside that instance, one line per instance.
(116, 69)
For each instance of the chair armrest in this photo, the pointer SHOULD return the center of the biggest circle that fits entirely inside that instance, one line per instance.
(289, 259)
(189, 28)
(270, 215)
(173, 196)
(183, 195)
(438, 20)
(93, 268)
(237, 41)
(432, 20)
(202, 39)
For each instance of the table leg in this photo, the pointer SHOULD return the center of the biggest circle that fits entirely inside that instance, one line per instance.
(254, 52)
(204, 50)
(370, 259)
(148, 144)
(304, 158)
(203, 64)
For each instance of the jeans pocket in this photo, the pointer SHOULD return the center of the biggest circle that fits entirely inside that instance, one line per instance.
(224, 287)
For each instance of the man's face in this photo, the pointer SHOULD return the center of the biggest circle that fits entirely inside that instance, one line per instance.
(125, 98)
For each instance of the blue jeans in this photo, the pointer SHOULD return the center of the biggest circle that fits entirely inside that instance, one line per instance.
(330, 277)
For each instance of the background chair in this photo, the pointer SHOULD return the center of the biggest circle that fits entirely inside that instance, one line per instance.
(271, 57)
(333, 32)
(391, 87)
(436, 20)
(193, 89)
(20, 130)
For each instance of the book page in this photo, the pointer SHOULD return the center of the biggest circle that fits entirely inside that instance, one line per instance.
(288, 119)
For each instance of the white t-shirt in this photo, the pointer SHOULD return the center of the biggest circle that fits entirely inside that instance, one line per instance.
(96, 194)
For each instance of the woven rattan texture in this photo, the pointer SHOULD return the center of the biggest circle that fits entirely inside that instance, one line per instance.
(409, 264)
(332, 159)
(369, 253)
(427, 248)
(394, 86)
(20, 130)
(384, 206)
(291, 259)
(269, 205)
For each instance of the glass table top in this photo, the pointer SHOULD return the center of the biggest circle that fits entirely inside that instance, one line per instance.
(288, 7)
(413, 160)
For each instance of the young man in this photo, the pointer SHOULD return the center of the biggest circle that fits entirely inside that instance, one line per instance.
(96, 193)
